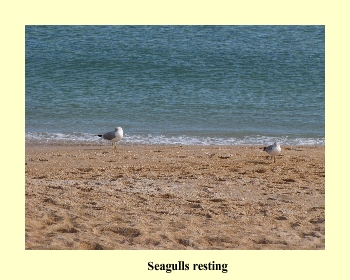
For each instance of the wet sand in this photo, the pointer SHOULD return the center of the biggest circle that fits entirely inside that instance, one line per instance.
(174, 197)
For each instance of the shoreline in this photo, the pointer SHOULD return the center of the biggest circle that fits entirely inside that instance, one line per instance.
(179, 197)
(185, 140)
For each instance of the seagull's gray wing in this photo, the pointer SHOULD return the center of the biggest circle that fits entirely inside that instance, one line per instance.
(269, 148)
(109, 135)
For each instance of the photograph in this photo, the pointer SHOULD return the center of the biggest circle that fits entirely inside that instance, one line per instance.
(175, 137)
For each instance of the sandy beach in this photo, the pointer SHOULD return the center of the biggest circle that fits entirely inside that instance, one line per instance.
(83, 197)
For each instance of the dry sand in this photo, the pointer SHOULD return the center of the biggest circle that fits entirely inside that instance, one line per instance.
(174, 197)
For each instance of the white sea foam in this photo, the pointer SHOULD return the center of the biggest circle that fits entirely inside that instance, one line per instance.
(87, 138)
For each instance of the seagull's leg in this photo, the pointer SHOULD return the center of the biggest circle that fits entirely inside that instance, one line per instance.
(274, 159)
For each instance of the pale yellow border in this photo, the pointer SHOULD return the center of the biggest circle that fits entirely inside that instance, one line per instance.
(20, 264)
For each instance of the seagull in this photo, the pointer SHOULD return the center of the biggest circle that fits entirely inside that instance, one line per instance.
(113, 136)
(273, 150)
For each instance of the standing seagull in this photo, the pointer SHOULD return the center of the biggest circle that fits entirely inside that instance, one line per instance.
(273, 150)
(113, 136)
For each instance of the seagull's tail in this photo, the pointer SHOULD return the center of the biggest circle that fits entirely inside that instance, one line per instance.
(99, 135)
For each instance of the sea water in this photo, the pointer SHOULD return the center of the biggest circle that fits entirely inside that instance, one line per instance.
(225, 85)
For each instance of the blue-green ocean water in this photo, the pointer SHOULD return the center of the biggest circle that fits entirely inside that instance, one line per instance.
(176, 84)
